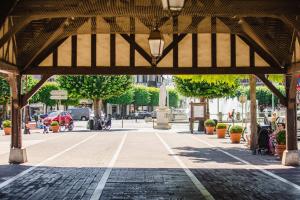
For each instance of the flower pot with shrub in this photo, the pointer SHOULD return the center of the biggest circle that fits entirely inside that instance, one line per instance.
(221, 130)
(236, 133)
(7, 127)
(55, 127)
(281, 143)
(210, 126)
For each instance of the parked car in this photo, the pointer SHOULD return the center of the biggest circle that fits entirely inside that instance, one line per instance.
(83, 114)
(63, 117)
(142, 114)
(43, 116)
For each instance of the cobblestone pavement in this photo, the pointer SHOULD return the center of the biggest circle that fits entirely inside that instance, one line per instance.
(151, 164)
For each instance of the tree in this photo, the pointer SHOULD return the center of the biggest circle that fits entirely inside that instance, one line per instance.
(202, 89)
(43, 95)
(263, 94)
(4, 91)
(141, 96)
(206, 87)
(154, 96)
(97, 88)
(173, 98)
(124, 99)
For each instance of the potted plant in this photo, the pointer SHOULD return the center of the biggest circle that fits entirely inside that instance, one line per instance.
(221, 130)
(55, 126)
(210, 126)
(7, 127)
(235, 133)
(281, 143)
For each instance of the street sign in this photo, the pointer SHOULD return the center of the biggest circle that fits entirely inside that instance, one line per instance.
(59, 93)
(59, 97)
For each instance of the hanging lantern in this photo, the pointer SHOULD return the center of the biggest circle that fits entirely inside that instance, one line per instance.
(156, 43)
(174, 6)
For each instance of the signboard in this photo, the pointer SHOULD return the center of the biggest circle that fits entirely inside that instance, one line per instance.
(58, 97)
(199, 111)
(59, 94)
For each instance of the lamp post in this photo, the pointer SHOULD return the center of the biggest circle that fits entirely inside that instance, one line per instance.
(156, 43)
(173, 6)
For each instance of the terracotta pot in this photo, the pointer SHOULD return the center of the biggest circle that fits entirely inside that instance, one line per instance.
(7, 131)
(55, 129)
(235, 137)
(221, 133)
(279, 149)
(210, 130)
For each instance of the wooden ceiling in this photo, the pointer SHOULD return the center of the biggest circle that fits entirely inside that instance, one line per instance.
(32, 29)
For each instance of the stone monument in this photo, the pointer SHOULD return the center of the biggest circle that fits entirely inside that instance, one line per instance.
(163, 112)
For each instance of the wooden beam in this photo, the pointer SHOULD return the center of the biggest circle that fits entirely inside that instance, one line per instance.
(93, 50)
(233, 50)
(138, 48)
(112, 50)
(261, 41)
(281, 97)
(291, 119)
(260, 51)
(74, 51)
(7, 68)
(6, 8)
(13, 30)
(26, 97)
(55, 57)
(44, 54)
(144, 70)
(171, 46)
(291, 22)
(132, 50)
(294, 68)
(195, 50)
(253, 115)
(252, 57)
(175, 51)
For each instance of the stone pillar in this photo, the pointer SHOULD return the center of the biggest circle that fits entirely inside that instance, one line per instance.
(253, 114)
(290, 155)
(17, 154)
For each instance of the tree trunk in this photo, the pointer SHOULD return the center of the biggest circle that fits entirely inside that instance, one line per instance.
(97, 107)
(26, 110)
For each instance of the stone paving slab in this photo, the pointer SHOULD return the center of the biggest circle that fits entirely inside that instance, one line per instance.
(53, 183)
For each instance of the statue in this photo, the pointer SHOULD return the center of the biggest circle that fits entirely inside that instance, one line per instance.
(163, 112)
(162, 95)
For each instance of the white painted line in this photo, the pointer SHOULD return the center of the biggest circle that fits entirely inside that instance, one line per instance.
(190, 174)
(247, 163)
(5, 183)
(99, 189)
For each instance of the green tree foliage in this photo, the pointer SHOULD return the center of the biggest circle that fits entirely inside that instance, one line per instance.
(95, 87)
(154, 96)
(141, 96)
(4, 91)
(43, 95)
(202, 89)
(263, 94)
(124, 99)
(173, 98)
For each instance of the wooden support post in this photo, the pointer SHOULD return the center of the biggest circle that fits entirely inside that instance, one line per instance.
(17, 154)
(290, 155)
(253, 108)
